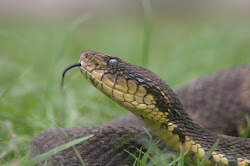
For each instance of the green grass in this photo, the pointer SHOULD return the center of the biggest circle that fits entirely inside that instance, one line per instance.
(33, 55)
(68, 139)
(147, 31)
(48, 154)
(155, 156)
(179, 160)
(246, 132)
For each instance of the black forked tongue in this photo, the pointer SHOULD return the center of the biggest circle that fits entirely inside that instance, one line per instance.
(65, 70)
(62, 113)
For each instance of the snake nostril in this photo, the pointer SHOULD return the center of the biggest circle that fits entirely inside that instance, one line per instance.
(95, 63)
(87, 56)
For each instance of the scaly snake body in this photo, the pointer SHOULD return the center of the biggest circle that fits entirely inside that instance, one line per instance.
(151, 100)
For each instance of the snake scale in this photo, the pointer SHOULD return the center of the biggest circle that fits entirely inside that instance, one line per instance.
(219, 102)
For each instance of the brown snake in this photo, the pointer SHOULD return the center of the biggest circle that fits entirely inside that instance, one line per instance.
(150, 99)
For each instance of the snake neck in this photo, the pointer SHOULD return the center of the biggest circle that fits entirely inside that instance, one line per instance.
(171, 124)
(177, 130)
(165, 116)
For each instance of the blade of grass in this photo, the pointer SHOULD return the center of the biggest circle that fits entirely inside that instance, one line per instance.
(139, 155)
(134, 164)
(151, 144)
(177, 159)
(145, 158)
(148, 133)
(77, 153)
(147, 30)
(209, 153)
(46, 155)
(150, 158)
(78, 21)
(173, 162)
(246, 132)
(138, 160)
(155, 150)
(198, 156)
(26, 157)
(181, 161)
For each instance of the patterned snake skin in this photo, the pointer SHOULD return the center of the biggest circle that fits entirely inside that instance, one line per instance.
(218, 102)
(206, 99)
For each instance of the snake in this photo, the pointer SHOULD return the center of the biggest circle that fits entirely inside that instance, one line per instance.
(156, 105)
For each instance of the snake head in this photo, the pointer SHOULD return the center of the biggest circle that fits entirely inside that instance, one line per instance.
(103, 71)
(117, 79)
(111, 72)
(133, 87)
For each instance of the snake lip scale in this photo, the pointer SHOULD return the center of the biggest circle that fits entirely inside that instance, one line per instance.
(148, 97)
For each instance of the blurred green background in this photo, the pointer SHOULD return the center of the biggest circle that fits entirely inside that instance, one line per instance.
(37, 42)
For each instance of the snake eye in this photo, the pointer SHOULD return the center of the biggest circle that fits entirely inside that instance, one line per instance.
(113, 62)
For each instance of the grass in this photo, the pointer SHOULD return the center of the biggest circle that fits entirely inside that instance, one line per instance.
(147, 30)
(246, 132)
(155, 156)
(48, 154)
(76, 151)
(33, 55)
